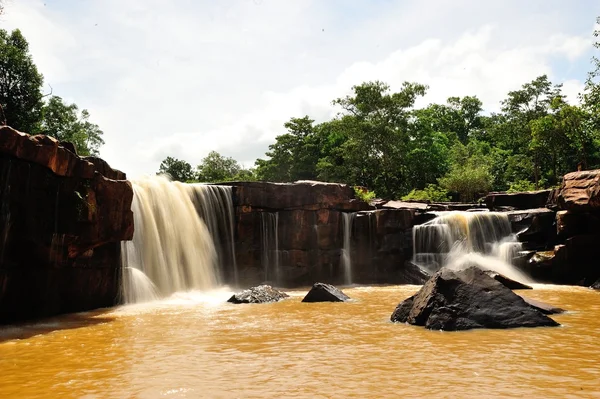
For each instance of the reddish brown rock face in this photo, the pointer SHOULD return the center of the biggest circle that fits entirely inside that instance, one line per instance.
(310, 235)
(580, 191)
(61, 223)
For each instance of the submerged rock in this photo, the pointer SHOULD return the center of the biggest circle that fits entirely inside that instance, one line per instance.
(321, 292)
(467, 299)
(258, 294)
(507, 282)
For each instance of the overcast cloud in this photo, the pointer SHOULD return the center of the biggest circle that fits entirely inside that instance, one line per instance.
(184, 77)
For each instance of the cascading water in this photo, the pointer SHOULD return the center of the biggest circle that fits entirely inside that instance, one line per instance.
(347, 219)
(215, 206)
(462, 239)
(270, 246)
(172, 249)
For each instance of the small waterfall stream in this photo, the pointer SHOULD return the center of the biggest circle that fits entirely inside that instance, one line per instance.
(270, 246)
(215, 206)
(347, 220)
(462, 239)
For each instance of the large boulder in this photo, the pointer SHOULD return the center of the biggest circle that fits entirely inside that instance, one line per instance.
(466, 299)
(579, 191)
(321, 292)
(259, 294)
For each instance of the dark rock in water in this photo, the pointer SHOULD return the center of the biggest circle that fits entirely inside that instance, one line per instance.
(321, 292)
(466, 299)
(507, 282)
(543, 307)
(596, 285)
(259, 294)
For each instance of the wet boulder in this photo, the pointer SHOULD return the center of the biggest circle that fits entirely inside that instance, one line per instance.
(507, 282)
(467, 299)
(321, 292)
(258, 294)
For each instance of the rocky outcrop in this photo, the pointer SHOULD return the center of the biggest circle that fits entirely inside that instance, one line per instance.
(522, 200)
(534, 227)
(62, 219)
(467, 299)
(259, 294)
(579, 191)
(321, 292)
(301, 195)
(293, 234)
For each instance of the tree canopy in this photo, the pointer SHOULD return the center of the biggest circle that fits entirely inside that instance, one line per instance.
(456, 150)
(25, 108)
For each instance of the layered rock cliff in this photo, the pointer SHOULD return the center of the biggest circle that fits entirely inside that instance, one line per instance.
(62, 218)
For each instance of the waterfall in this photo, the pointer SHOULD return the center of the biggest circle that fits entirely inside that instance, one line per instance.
(347, 219)
(172, 249)
(214, 205)
(270, 246)
(462, 239)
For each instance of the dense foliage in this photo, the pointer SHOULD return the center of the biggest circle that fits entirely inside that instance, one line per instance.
(24, 106)
(381, 141)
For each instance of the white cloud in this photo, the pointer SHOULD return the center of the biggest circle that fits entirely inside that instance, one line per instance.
(181, 79)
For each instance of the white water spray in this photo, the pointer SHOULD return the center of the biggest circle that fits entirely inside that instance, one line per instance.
(459, 240)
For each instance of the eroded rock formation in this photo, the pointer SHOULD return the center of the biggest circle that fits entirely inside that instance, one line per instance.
(293, 234)
(62, 218)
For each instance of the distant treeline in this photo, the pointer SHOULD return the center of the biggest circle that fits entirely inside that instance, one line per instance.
(379, 140)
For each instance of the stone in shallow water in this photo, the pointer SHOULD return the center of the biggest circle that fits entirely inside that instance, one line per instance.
(507, 282)
(543, 307)
(258, 294)
(467, 299)
(321, 292)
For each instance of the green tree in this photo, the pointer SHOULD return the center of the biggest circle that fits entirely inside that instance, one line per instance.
(177, 169)
(217, 168)
(294, 155)
(20, 83)
(376, 123)
(63, 122)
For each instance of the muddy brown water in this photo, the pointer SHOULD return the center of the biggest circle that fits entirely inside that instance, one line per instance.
(196, 346)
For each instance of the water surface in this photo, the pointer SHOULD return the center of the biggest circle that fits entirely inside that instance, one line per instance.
(196, 346)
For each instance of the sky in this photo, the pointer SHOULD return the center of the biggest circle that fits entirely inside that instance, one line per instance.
(183, 77)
